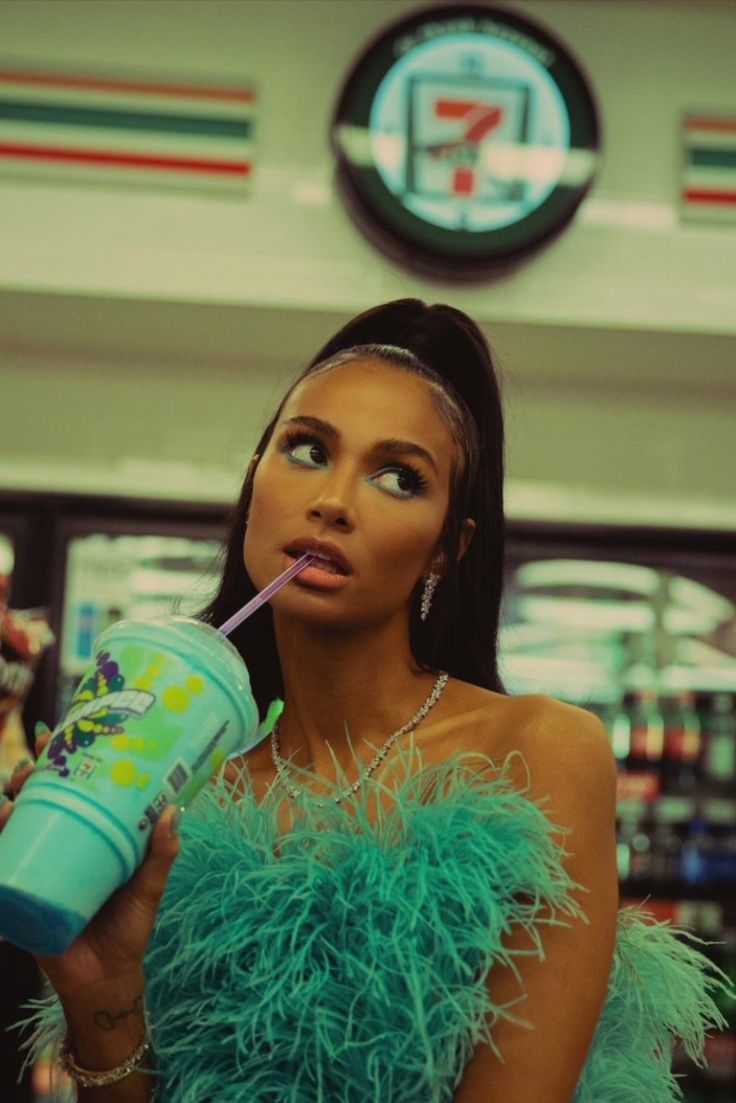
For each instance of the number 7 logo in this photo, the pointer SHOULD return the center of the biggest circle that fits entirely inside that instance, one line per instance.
(479, 120)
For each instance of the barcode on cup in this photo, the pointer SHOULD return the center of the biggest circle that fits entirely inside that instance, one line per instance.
(178, 777)
(152, 812)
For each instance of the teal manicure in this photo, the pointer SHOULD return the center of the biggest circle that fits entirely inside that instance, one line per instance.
(20, 764)
(41, 728)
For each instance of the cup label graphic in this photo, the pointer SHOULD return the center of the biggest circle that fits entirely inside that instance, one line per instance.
(114, 707)
(99, 708)
(156, 714)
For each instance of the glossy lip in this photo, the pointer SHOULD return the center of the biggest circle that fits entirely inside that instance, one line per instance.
(309, 544)
(318, 579)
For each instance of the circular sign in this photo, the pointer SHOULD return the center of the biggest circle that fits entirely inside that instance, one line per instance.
(465, 138)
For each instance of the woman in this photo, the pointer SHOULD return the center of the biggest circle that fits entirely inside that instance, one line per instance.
(371, 904)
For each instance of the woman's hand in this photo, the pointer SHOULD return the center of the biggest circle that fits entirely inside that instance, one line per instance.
(113, 943)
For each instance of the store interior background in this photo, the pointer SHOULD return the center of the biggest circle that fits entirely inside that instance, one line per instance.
(146, 334)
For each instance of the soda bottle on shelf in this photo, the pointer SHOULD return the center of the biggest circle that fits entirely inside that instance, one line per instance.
(633, 846)
(727, 962)
(666, 849)
(87, 629)
(721, 1047)
(683, 744)
(719, 745)
(640, 867)
(697, 855)
(633, 843)
(625, 831)
(647, 736)
(724, 861)
(618, 724)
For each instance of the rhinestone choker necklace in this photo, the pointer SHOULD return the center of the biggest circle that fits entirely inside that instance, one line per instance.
(282, 768)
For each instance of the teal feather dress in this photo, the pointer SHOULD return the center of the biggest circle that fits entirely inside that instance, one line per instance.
(345, 961)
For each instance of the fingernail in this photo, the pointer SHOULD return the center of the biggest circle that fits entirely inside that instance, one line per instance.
(3, 799)
(41, 728)
(20, 764)
(175, 821)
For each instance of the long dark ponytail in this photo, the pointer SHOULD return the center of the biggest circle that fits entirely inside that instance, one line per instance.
(461, 633)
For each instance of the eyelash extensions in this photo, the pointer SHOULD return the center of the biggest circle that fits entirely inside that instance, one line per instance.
(417, 482)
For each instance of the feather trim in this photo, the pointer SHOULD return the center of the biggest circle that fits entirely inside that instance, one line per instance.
(659, 991)
(48, 1025)
(351, 968)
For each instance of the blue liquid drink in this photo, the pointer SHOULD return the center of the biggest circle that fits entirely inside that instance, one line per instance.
(162, 706)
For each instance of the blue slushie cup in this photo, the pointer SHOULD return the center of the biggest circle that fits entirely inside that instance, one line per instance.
(162, 706)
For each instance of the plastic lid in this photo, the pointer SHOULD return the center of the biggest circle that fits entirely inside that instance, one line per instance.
(185, 635)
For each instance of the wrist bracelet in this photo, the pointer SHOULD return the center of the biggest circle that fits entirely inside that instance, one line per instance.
(90, 1079)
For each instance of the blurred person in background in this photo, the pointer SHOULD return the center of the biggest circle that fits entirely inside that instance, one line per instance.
(23, 638)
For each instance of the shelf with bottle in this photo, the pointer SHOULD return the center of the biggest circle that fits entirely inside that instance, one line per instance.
(718, 942)
(673, 743)
(714, 923)
(697, 1088)
(719, 1071)
(700, 1093)
(675, 847)
(676, 751)
(706, 917)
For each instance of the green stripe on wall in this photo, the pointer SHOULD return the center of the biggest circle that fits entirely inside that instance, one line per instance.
(19, 111)
(713, 158)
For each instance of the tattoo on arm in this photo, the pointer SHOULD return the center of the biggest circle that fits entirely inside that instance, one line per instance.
(107, 1020)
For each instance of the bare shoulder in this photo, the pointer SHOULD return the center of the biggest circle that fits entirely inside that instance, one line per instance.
(532, 723)
(571, 730)
(535, 724)
(552, 747)
(572, 770)
(570, 763)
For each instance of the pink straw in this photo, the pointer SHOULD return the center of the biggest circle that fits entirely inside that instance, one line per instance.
(266, 593)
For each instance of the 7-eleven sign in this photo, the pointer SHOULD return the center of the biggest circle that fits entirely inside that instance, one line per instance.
(449, 131)
(465, 138)
(477, 121)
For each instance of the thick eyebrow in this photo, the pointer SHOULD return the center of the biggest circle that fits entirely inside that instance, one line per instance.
(391, 444)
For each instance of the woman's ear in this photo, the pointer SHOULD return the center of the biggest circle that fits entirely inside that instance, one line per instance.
(439, 564)
(466, 536)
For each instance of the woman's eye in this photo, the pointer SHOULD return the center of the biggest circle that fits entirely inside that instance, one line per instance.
(307, 452)
(401, 481)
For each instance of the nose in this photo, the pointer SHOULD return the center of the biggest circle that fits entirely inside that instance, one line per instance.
(333, 512)
(330, 507)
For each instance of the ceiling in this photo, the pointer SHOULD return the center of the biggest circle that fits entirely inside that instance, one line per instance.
(192, 336)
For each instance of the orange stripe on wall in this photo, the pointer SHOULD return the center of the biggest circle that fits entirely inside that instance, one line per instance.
(703, 195)
(125, 160)
(60, 80)
(725, 125)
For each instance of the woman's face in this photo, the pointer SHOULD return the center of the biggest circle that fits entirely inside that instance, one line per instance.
(361, 460)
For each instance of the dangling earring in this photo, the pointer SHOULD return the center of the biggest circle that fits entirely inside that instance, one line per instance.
(430, 585)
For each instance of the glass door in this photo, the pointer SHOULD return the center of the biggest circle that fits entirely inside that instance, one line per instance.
(110, 576)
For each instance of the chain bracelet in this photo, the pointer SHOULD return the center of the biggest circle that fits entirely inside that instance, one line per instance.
(91, 1079)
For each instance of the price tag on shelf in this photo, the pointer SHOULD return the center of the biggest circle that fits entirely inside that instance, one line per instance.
(637, 786)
